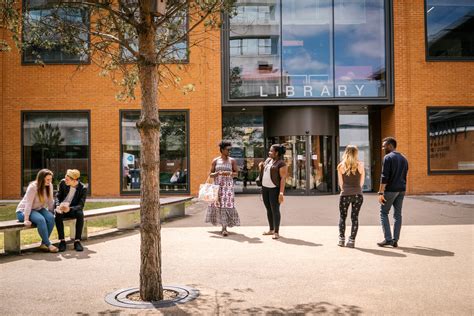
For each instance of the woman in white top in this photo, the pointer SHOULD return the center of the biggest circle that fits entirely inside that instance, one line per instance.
(37, 207)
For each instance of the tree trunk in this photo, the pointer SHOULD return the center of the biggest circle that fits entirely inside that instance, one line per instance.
(151, 288)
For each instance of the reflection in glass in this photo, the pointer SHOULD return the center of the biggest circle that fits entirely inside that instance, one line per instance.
(451, 139)
(354, 130)
(52, 46)
(327, 49)
(245, 131)
(173, 152)
(359, 48)
(255, 49)
(307, 48)
(450, 28)
(309, 163)
(56, 141)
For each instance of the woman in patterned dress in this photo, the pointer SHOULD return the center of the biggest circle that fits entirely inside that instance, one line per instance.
(223, 169)
(351, 177)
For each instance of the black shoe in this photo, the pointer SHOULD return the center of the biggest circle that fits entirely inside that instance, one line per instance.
(385, 243)
(395, 244)
(62, 246)
(78, 246)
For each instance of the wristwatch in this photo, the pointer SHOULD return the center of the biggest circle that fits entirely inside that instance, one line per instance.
(380, 193)
(281, 193)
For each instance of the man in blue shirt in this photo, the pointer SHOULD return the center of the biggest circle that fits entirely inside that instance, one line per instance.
(392, 190)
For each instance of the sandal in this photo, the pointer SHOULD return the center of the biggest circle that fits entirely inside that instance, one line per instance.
(52, 249)
(275, 236)
(270, 232)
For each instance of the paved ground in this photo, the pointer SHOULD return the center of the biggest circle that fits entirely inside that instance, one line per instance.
(431, 273)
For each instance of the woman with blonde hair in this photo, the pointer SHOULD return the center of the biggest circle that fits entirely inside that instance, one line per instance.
(351, 175)
(37, 207)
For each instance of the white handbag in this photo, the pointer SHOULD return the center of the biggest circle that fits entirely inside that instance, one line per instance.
(208, 192)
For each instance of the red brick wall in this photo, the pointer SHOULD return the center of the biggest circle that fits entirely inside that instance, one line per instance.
(62, 87)
(419, 84)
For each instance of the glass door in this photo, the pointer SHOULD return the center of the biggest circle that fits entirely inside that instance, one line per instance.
(309, 160)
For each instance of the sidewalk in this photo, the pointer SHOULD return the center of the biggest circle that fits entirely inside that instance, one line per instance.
(247, 273)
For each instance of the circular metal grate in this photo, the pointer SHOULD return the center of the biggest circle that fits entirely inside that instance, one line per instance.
(119, 298)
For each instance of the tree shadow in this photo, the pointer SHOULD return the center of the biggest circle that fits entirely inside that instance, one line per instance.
(379, 252)
(425, 251)
(237, 237)
(297, 242)
(215, 302)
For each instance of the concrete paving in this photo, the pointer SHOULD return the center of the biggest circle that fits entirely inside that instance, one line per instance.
(304, 272)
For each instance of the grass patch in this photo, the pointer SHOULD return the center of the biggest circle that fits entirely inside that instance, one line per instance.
(30, 236)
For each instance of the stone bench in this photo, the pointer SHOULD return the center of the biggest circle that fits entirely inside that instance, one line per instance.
(170, 207)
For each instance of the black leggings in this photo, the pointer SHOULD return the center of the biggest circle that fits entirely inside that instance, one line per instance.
(344, 202)
(270, 199)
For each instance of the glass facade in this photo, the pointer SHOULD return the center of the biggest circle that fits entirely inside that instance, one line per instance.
(450, 29)
(174, 163)
(245, 131)
(354, 130)
(451, 139)
(53, 45)
(57, 141)
(307, 49)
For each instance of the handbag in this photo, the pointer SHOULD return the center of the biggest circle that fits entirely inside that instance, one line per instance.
(208, 192)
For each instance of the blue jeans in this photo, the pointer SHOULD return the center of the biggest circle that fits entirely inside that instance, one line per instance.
(44, 221)
(395, 199)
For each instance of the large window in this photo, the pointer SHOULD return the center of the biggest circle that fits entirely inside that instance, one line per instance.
(171, 39)
(57, 141)
(244, 129)
(450, 29)
(308, 49)
(450, 140)
(174, 164)
(53, 45)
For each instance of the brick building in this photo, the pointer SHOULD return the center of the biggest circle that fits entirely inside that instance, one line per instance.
(315, 75)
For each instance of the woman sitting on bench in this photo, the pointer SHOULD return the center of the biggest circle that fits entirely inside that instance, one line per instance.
(37, 207)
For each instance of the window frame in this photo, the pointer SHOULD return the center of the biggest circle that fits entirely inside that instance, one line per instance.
(388, 99)
(34, 63)
(429, 58)
(23, 114)
(175, 62)
(428, 160)
(188, 151)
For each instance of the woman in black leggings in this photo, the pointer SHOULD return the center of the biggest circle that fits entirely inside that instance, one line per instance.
(272, 174)
(351, 176)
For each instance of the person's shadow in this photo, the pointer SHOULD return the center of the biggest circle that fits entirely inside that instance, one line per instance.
(297, 242)
(236, 237)
(426, 251)
(417, 250)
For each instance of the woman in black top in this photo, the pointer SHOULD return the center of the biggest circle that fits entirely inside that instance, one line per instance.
(272, 174)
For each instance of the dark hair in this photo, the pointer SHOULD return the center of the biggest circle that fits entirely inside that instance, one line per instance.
(280, 149)
(223, 144)
(390, 141)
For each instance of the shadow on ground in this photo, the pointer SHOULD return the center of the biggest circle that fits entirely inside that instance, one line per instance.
(214, 302)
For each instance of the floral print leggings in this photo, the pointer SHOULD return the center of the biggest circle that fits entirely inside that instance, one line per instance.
(344, 202)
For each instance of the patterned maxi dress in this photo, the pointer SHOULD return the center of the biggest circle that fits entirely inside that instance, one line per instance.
(223, 212)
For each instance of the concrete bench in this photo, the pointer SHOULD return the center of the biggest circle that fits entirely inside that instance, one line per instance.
(170, 207)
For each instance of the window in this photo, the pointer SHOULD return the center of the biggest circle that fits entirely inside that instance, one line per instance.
(449, 29)
(308, 49)
(244, 129)
(450, 140)
(57, 141)
(168, 33)
(54, 45)
(174, 163)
